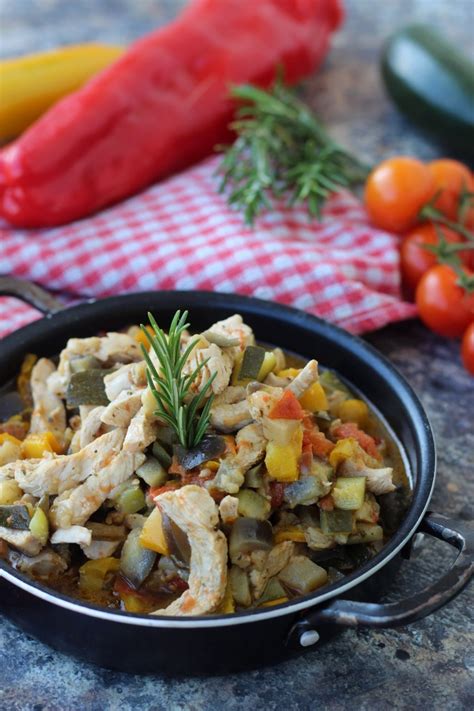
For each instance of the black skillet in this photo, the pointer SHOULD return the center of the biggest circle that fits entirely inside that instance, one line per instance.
(218, 644)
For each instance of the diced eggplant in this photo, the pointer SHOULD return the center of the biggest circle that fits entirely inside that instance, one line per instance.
(88, 362)
(254, 477)
(249, 534)
(302, 576)
(152, 472)
(87, 388)
(253, 505)
(220, 339)
(177, 540)
(17, 517)
(167, 437)
(336, 521)
(210, 447)
(304, 491)
(136, 562)
(273, 591)
(240, 586)
(162, 455)
(348, 493)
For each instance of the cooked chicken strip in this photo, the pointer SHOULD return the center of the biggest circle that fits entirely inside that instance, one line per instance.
(48, 413)
(194, 511)
(277, 559)
(218, 361)
(58, 473)
(74, 534)
(234, 327)
(230, 410)
(75, 506)
(110, 349)
(251, 446)
(23, 541)
(142, 431)
(121, 410)
(100, 549)
(229, 509)
(128, 377)
(262, 399)
(305, 379)
(379, 481)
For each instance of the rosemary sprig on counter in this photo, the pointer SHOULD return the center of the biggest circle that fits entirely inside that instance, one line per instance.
(171, 387)
(282, 149)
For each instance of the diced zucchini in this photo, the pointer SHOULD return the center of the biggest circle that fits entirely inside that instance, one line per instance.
(130, 501)
(330, 382)
(162, 455)
(88, 362)
(87, 388)
(136, 561)
(39, 525)
(167, 437)
(269, 364)
(366, 533)
(348, 492)
(9, 492)
(106, 531)
(302, 576)
(17, 517)
(152, 472)
(252, 362)
(253, 505)
(254, 477)
(273, 591)
(240, 586)
(337, 521)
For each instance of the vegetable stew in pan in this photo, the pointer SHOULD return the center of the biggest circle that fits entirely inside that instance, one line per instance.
(186, 475)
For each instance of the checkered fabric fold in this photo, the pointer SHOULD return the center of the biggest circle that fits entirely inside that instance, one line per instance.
(180, 234)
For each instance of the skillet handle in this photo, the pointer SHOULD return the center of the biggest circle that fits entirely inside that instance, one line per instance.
(31, 293)
(348, 613)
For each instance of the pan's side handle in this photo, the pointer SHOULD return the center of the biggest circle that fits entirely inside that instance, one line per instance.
(31, 293)
(348, 613)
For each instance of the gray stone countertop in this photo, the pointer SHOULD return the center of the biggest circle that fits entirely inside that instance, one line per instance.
(428, 665)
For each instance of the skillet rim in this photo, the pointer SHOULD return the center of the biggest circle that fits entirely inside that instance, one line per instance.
(354, 346)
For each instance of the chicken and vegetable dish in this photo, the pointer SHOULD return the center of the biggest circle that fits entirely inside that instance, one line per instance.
(172, 474)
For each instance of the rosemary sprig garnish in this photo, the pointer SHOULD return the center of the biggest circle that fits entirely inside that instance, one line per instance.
(171, 388)
(282, 149)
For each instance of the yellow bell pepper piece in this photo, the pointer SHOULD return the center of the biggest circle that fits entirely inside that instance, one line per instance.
(93, 573)
(133, 603)
(344, 449)
(35, 445)
(314, 398)
(5, 437)
(212, 465)
(291, 533)
(153, 535)
(282, 460)
(29, 85)
(278, 601)
(142, 339)
(353, 410)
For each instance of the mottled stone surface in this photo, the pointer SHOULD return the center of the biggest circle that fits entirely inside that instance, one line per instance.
(429, 665)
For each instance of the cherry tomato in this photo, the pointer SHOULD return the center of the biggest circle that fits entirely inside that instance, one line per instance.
(415, 259)
(467, 349)
(396, 191)
(444, 306)
(450, 177)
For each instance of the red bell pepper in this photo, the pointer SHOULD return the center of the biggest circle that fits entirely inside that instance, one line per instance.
(163, 105)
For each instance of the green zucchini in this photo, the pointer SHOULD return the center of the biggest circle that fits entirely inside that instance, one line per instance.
(152, 472)
(432, 83)
(86, 387)
(251, 363)
(337, 521)
(253, 505)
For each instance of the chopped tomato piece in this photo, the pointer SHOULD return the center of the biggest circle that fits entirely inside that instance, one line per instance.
(321, 445)
(277, 490)
(350, 429)
(176, 468)
(326, 503)
(157, 490)
(287, 408)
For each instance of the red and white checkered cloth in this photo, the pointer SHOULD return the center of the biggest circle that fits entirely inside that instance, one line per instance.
(180, 234)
